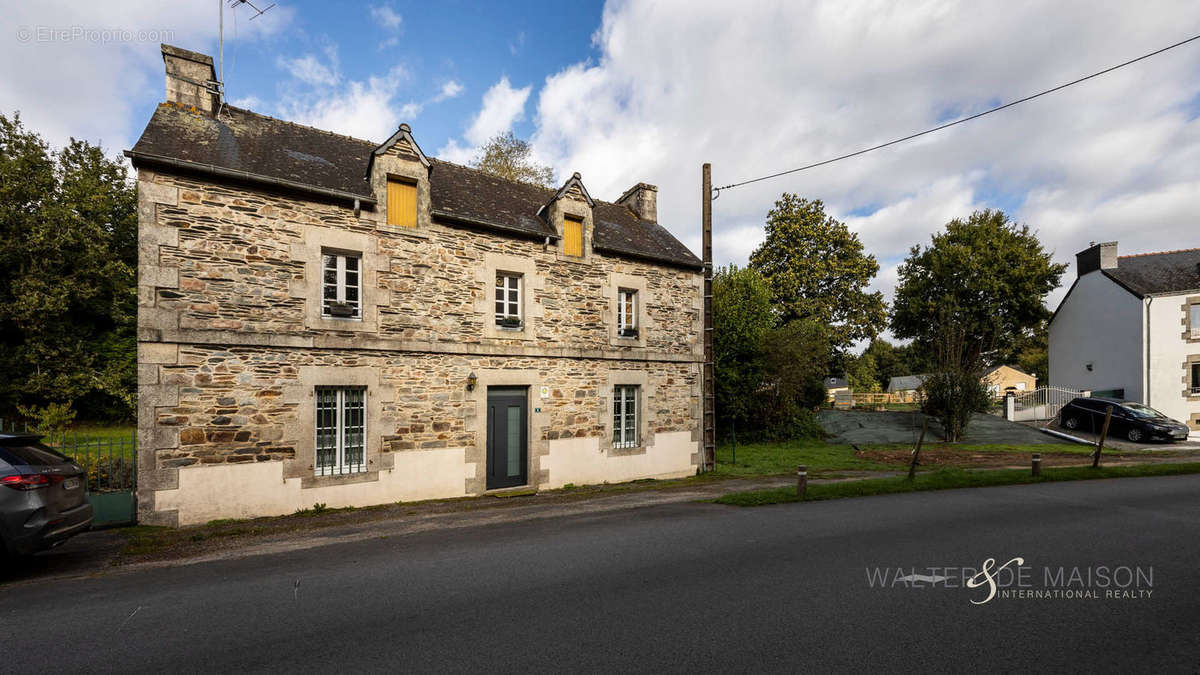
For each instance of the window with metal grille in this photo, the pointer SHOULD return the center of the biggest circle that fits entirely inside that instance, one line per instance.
(341, 284)
(573, 236)
(401, 203)
(341, 430)
(627, 313)
(508, 300)
(625, 416)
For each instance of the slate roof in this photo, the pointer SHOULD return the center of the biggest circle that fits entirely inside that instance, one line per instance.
(245, 145)
(1163, 273)
(905, 383)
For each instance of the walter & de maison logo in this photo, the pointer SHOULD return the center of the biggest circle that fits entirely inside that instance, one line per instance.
(1018, 580)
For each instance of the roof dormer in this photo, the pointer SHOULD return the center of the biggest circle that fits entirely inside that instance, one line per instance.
(569, 212)
(399, 175)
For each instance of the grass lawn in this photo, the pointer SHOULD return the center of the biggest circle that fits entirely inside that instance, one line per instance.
(944, 479)
(767, 459)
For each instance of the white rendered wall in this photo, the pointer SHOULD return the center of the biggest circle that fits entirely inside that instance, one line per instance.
(1168, 352)
(1099, 323)
(582, 461)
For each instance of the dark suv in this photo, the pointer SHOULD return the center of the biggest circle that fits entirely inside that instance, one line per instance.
(43, 496)
(1129, 420)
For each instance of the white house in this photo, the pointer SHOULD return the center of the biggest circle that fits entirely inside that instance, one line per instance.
(1129, 327)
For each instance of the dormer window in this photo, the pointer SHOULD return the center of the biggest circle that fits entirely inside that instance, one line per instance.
(573, 236)
(401, 202)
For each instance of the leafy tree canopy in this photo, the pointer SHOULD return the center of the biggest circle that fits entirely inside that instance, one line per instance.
(510, 157)
(986, 276)
(741, 319)
(68, 298)
(817, 271)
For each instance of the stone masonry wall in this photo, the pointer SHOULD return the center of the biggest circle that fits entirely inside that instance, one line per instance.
(235, 255)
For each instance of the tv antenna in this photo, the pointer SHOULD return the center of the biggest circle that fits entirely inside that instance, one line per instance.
(233, 4)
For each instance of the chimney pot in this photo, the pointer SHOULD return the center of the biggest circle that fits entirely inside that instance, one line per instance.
(643, 200)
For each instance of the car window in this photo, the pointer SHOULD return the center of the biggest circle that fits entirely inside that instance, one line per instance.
(33, 454)
(1139, 410)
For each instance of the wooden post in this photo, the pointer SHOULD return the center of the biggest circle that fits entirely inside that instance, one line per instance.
(708, 402)
(912, 467)
(1037, 464)
(801, 481)
(1103, 435)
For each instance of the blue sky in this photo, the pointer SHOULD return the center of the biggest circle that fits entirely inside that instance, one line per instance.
(626, 91)
(470, 43)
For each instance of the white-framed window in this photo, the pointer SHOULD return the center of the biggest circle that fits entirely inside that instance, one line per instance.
(508, 300)
(341, 430)
(1194, 319)
(627, 325)
(625, 416)
(341, 284)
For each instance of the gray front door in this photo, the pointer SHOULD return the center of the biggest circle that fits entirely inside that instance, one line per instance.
(507, 421)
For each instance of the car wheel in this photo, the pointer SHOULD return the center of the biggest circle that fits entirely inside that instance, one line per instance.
(1134, 434)
(1071, 423)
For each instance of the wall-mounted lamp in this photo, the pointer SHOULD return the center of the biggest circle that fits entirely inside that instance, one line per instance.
(1089, 367)
(472, 381)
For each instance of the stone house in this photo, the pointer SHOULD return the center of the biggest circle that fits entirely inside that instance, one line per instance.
(324, 319)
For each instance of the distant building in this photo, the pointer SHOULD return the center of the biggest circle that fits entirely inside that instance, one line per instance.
(1129, 327)
(1001, 379)
(836, 385)
(906, 384)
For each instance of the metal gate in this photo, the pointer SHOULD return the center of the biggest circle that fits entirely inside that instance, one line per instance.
(1042, 403)
(110, 462)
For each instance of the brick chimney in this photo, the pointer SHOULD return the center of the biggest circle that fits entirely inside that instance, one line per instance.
(1097, 257)
(643, 199)
(191, 80)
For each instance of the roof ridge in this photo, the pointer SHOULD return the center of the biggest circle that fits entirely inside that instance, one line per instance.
(1143, 255)
(303, 126)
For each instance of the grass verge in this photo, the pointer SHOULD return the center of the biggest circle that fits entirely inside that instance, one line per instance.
(946, 479)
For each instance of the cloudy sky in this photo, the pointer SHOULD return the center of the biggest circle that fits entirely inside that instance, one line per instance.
(628, 91)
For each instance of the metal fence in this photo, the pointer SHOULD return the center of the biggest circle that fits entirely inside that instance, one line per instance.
(1042, 404)
(110, 462)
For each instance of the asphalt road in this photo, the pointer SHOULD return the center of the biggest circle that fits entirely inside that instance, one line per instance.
(684, 587)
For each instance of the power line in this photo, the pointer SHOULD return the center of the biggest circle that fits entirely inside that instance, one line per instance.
(959, 121)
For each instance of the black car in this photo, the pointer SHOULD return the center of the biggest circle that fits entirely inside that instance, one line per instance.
(43, 496)
(1130, 420)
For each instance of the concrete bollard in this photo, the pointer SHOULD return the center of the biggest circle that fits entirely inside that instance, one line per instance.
(801, 481)
(1037, 464)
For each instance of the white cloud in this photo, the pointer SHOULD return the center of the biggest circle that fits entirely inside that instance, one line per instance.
(778, 84)
(501, 107)
(386, 17)
(450, 89)
(366, 110)
(309, 70)
(98, 90)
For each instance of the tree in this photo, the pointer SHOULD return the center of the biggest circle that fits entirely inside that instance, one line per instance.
(796, 360)
(817, 271)
(986, 275)
(509, 157)
(68, 297)
(968, 299)
(741, 319)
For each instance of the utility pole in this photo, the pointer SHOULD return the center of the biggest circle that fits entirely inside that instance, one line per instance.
(709, 423)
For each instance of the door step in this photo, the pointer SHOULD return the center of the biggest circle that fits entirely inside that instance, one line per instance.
(520, 491)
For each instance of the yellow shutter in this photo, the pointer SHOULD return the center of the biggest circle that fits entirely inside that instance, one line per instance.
(573, 237)
(401, 203)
